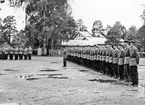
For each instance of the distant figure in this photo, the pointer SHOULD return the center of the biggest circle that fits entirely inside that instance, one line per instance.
(64, 58)
(16, 53)
(11, 53)
(29, 52)
(39, 51)
(25, 53)
(1, 52)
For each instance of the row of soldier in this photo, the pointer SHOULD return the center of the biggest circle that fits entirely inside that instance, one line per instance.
(17, 53)
(116, 61)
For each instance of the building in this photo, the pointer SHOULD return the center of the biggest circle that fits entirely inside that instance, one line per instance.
(85, 38)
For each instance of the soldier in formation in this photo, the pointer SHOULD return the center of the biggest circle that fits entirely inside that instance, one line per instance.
(118, 62)
(17, 53)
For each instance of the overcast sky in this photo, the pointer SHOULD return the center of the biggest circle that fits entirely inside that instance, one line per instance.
(108, 11)
(18, 13)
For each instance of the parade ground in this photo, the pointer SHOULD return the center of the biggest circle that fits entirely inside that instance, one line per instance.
(43, 81)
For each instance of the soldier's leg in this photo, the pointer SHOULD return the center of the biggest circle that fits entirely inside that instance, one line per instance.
(134, 75)
(103, 69)
(64, 62)
(116, 70)
(30, 57)
(126, 74)
(121, 70)
(16, 56)
(12, 56)
(129, 73)
(4, 56)
(25, 57)
(111, 70)
(0, 56)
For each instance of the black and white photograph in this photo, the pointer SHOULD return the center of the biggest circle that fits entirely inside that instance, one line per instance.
(72, 52)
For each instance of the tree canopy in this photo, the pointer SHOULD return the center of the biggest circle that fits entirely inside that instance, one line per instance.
(49, 21)
(7, 29)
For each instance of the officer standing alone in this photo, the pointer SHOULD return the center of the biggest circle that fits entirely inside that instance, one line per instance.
(64, 57)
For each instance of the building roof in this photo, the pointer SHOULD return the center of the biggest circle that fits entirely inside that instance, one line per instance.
(5, 45)
(82, 35)
(85, 38)
(88, 41)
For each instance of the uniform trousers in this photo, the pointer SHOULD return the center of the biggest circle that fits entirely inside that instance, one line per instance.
(134, 75)
(121, 72)
(25, 56)
(6, 56)
(107, 68)
(0, 56)
(16, 56)
(3, 56)
(111, 70)
(116, 71)
(95, 65)
(64, 62)
(11, 56)
(127, 73)
(29, 56)
(102, 66)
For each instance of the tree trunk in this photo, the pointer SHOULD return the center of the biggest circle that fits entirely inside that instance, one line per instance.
(9, 35)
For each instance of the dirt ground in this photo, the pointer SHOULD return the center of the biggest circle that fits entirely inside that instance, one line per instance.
(43, 81)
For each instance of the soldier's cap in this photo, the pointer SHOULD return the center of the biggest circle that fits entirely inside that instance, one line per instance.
(132, 41)
(126, 40)
(120, 45)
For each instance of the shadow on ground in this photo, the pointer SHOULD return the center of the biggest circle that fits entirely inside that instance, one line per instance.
(114, 82)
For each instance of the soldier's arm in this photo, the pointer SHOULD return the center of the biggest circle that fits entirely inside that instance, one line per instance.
(137, 56)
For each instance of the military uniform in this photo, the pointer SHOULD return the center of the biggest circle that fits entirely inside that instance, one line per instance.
(25, 53)
(6, 53)
(3, 55)
(95, 58)
(115, 62)
(127, 73)
(11, 53)
(107, 60)
(121, 63)
(64, 58)
(134, 61)
(29, 53)
(16, 53)
(111, 61)
(20, 53)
